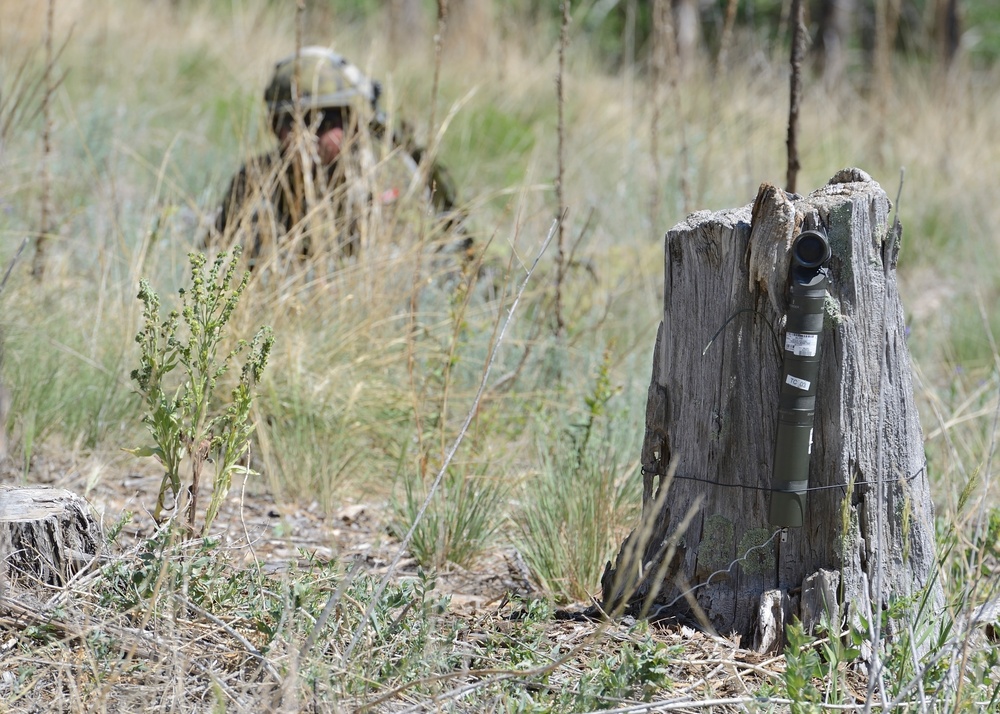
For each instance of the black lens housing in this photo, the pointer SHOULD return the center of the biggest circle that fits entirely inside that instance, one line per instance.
(811, 249)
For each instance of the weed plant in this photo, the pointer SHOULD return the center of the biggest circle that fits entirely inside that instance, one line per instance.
(184, 416)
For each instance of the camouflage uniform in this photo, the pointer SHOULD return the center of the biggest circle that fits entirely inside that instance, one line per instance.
(271, 195)
(265, 200)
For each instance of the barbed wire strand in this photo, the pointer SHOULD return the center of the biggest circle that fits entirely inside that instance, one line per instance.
(759, 546)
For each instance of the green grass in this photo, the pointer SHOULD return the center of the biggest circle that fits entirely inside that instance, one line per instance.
(460, 521)
(570, 512)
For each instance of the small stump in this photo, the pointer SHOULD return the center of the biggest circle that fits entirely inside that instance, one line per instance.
(46, 535)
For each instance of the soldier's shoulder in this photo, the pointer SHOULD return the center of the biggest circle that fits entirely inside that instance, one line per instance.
(260, 164)
(251, 177)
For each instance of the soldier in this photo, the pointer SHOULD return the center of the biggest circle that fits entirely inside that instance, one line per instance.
(325, 187)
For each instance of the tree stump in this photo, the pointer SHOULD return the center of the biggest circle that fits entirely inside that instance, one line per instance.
(46, 534)
(705, 548)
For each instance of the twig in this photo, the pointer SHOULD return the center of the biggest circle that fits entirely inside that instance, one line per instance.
(247, 645)
(757, 668)
(473, 410)
(991, 451)
(423, 172)
(571, 258)
(727, 36)
(560, 165)
(243, 522)
(944, 651)
(496, 675)
(442, 27)
(331, 603)
(795, 93)
(38, 264)
(656, 79)
(630, 66)
(154, 648)
(899, 197)
(979, 535)
(744, 702)
(665, 48)
(886, 24)
(13, 261)
(300, 13)
(16, 103)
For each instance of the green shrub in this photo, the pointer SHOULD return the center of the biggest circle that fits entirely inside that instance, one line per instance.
(182, 414)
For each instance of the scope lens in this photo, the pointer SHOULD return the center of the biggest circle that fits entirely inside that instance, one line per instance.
(811, 249)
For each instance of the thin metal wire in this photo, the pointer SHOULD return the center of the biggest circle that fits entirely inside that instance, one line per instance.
(749, 487)
(756, 313)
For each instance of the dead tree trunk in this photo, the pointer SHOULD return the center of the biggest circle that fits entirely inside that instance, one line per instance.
(948, 29)
(688, 31)
(705, 547)
(407, 28)
(46, 534)
(470, 29)
(835, 23)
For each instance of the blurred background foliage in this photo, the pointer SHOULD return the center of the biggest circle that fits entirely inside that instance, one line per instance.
(158, 102)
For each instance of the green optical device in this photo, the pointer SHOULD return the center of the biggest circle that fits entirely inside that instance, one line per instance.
(800, 373)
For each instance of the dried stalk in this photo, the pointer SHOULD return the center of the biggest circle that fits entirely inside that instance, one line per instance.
(795, 93)
(656, 79)
(423, 171)
(44, 225)
(727, 37)
(560, 167)
(473, 410)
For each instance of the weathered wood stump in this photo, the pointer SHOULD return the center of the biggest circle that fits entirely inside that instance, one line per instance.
(46, 534)
(705, 547)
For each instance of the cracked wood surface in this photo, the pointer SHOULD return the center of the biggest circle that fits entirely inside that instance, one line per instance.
(46, 535)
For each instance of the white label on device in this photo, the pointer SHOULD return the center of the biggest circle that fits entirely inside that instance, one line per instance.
(801, 345)
(797, 383)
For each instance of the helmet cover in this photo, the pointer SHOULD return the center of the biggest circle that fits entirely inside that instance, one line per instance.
(325, 78)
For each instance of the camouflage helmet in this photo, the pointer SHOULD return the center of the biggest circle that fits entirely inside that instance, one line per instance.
(326, 79)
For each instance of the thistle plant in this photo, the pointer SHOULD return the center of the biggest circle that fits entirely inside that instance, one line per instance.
(183, 415)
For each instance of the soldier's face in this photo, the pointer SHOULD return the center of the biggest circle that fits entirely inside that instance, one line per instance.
(327, 128)
(329, 144)
(330, 135)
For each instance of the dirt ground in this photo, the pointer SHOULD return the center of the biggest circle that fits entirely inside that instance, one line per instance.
(253, 527)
